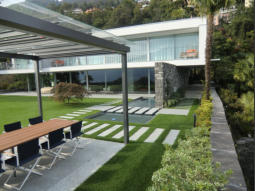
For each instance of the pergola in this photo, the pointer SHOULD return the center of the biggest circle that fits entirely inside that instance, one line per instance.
(26, 37)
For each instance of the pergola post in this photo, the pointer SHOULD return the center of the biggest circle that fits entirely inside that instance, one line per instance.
(38, 87)
(125, 97)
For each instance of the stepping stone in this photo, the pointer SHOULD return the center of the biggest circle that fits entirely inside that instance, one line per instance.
(114, 109)
(121, 133)
(142, 111)
(121, 110)
(88, 126)
(80, 112)
(83, 110)
(83, 122)
(154, 136)
(152, 111)
(134, 109)
(109, 131)
(138, 133)
(171, 137)
(97, 129)
(66, 117)
(71, 114)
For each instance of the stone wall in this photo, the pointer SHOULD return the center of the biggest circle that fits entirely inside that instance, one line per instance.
(223, 148)
(168, 79)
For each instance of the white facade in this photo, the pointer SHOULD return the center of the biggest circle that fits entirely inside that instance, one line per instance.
(179, 42)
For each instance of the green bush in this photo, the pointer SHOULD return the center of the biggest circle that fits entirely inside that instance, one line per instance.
(204, 113)
(189, 166)
(66, 91)
(239, 111)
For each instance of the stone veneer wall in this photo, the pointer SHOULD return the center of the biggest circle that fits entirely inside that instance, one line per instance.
(168, 79)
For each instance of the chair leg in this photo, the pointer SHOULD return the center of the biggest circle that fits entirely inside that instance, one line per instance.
(31, 170)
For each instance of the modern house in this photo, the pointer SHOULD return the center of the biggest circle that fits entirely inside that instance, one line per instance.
(161, 55)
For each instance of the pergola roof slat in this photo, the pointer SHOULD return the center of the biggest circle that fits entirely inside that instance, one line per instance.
(39, 34)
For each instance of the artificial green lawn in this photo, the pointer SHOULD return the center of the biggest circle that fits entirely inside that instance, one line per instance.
(21, 108)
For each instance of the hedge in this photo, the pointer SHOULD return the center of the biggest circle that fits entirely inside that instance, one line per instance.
(189, 167)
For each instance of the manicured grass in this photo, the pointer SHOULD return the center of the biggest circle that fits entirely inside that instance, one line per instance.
(129, 170)
(20, 108)
(183, 104)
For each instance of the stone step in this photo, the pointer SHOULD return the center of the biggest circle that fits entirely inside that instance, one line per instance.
(152, 111)
(97, 129)
(66, 117)
(84, 110)
(154, 135)
(138, 133)
(121, 133)
(142, 111)
(114, 109)
(71, 114)
(79, 112)
(83, 122)
(171, 137)
(88, 126)
(109, 131)
(134, 109)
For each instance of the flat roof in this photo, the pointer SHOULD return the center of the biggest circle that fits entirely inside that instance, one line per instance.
(160, 28)
(51, 36)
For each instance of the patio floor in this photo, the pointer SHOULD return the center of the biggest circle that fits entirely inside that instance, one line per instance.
(68, 174)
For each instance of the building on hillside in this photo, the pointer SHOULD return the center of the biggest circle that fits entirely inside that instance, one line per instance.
(77, 11)
(161, 57)
(248, 3)
(91, 10)
(224, 14)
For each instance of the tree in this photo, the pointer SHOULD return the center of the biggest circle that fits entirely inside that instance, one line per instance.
(209, 8)
(66, 91)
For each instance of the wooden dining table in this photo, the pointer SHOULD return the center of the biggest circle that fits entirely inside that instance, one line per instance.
(17, 137)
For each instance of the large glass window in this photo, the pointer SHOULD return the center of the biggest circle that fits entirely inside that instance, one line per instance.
(138, 51)
(186, 46)
(91, 60)
(97, 80)
(162, 48)
(114, 80)
(138, 80)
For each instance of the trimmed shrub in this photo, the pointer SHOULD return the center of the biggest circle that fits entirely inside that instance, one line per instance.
(189, 166)
(204, 113)
(66, 91)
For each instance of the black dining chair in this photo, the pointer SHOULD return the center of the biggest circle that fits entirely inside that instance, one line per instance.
(74, 134)
(54, 146)
(35, 120)
(12, 126)
(25, 153)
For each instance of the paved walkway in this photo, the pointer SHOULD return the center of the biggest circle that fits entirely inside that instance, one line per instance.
(174, 111)
(66, 175)
(223, 148)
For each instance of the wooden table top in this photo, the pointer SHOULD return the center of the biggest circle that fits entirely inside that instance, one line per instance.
(17, 137)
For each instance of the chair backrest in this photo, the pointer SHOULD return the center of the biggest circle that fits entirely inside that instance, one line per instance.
(76, 128)
(56, 137)
(12, 126)
(1, 164)
(35, 120)
(28, 150)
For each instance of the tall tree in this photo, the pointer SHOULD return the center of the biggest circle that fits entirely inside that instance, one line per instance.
(209, 8)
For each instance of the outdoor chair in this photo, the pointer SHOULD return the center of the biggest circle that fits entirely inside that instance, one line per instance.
(54, 146)
(35, 120)
(2, 166)
(73, 135)
(24, 154)
(12, 126)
